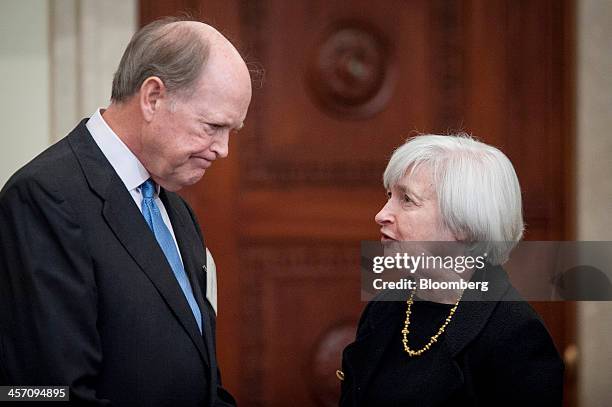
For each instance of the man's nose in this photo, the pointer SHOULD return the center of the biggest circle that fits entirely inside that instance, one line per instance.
(221, 145)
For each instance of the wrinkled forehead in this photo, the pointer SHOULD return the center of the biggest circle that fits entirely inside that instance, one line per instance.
(398, 174)
(416, 180)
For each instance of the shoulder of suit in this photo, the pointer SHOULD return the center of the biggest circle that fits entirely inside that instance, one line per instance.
(46, 172)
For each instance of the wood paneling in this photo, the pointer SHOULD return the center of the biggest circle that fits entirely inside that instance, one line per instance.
(345, 83)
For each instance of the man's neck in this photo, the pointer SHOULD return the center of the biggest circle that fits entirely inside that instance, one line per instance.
(120, 118)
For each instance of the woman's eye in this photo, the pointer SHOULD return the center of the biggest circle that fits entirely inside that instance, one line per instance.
(407, 199)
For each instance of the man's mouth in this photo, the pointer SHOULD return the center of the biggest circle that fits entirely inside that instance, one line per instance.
(202, 162)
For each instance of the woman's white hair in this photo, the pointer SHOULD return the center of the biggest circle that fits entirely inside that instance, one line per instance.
(477, 189)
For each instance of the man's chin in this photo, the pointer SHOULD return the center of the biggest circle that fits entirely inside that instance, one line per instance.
(174, 185)
(193, 178)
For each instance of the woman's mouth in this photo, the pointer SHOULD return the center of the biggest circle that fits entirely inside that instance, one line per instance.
(384, 237)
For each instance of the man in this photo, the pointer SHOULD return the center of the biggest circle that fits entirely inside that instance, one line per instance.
(102, 284)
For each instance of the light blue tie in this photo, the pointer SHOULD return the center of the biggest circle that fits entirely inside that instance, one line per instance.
(166, 242)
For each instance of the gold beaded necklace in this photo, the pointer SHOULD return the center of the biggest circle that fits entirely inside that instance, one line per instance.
(434, 338)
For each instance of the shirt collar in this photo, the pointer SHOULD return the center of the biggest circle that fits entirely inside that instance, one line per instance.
(126, 164)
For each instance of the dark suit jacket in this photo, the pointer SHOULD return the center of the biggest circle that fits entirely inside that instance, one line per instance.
(495, 352)
(87, 297)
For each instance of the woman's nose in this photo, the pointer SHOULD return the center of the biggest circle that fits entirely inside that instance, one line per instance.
(384, 216)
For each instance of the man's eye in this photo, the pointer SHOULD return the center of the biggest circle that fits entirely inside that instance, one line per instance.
(407, 199)
(388, 194)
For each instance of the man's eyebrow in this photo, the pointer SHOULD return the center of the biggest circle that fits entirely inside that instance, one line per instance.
(221, 123)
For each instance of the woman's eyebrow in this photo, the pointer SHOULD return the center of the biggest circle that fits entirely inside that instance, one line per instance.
(404, 189)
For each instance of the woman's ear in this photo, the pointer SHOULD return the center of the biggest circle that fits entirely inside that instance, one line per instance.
(152, 91)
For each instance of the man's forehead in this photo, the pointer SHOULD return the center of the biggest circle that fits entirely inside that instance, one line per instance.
(219, 118)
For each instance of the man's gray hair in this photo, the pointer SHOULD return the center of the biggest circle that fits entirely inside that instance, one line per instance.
(173, 52)
(477, 189)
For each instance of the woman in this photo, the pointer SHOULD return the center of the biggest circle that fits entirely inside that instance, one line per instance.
(453, 348)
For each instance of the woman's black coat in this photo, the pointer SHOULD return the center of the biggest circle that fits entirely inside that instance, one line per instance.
(496, 351)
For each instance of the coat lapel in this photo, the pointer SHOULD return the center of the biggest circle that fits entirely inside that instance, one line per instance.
(363, 356)
(130, 228)
(475, 309)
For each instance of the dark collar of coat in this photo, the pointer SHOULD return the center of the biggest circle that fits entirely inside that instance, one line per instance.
(130, 228)
(375, 336)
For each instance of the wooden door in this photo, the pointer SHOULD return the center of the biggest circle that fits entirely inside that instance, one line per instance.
(345, 83)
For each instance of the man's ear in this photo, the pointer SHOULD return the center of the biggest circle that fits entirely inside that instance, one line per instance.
(152, 91)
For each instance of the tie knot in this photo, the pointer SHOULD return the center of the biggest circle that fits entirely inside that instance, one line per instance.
(148, 189)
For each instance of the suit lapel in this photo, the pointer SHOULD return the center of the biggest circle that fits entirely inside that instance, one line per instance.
(190, 246)
(130, 228)
(193, 254)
